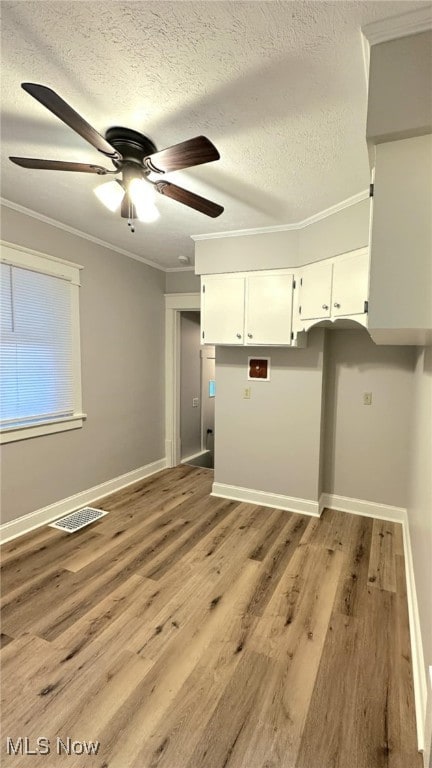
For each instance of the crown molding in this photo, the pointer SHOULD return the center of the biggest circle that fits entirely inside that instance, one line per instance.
(78, 232)
(410, 23)
(353, 200)
(243, 232)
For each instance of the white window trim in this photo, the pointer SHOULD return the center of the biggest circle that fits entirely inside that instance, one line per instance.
(18, 256)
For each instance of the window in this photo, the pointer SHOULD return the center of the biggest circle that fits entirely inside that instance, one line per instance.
(40, 377)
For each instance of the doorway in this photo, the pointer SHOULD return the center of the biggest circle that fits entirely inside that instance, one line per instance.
(175, 306)
(197, 394)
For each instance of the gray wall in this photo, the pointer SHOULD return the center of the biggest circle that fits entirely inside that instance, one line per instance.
(268, 250)
(366, 448)
(270, 442)
(190, 383)
(182, 282)
(400, 88)
(122, 347)
(343, 231)
(304, 432)
(420, 493)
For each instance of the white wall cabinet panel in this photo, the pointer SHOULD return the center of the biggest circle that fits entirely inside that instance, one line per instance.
(247, 309)
(222, 310)
(334, 289)
(401, 243)
(350, 285)
(269, 309)
(315, 290)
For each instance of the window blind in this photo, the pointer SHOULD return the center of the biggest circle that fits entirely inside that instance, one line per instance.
(36, 374)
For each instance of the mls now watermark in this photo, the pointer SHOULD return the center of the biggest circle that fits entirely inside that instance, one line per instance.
(44, 746)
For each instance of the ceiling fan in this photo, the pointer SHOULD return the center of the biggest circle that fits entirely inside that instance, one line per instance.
(134, 156)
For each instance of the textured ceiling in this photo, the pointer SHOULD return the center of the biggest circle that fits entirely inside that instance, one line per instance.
(279, 87)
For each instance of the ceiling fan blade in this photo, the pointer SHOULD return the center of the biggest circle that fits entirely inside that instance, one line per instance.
(52, 101)
(189, 198)
(184, 155)
(58, 165)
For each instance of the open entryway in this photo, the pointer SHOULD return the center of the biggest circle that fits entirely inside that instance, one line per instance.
(190, 385)
(197, 394)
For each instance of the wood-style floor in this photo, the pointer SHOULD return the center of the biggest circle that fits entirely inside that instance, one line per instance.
(187, 631)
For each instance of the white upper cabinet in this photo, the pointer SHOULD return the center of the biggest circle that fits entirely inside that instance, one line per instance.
(401, 243)
(252, 308)
(269, 309)
(222, 310)
(274, 307)
(315, 290)
(350, 285)
(334, 289)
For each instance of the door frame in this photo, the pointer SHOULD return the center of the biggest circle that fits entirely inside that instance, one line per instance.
(175, 303)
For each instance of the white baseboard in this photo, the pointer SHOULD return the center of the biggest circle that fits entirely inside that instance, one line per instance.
(169, 453)
(276, 500)
(365, 508)
(397, 515)
(419, 673)
(193, 456)
(50, 513)
(427, 754)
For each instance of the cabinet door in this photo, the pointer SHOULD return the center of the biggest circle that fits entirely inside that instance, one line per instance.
(350, 285)
(268, 309)
(315, 291)
(222, 310)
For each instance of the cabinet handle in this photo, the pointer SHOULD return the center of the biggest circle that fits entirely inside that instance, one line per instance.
(325, 306)
(250, 336)
(238, 335)
(336, 304)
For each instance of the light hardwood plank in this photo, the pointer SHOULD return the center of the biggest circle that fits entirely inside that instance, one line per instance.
(186, 631)
(382, 569)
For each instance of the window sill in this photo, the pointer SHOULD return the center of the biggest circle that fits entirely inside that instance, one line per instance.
(26, 431)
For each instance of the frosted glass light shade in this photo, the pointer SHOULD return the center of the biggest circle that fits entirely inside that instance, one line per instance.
(110, 194)
(142, 196)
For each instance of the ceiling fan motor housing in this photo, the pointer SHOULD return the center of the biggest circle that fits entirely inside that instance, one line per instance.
(132, 145)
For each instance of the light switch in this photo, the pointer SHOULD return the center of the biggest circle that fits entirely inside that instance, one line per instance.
(367, 398)
(195, 402)
(247, 393)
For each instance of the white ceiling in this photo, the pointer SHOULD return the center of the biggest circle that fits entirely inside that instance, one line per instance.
(279, 87)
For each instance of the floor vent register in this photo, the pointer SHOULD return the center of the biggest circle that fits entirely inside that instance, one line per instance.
(79, 519)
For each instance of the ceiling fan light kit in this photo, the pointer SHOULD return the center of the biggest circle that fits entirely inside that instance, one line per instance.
(134, 156)
(110, 193)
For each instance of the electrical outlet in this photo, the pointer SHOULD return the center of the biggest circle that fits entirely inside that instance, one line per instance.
(247, 393)
(367, 398)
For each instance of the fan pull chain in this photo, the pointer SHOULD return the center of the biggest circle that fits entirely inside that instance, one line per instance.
(131, 220)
